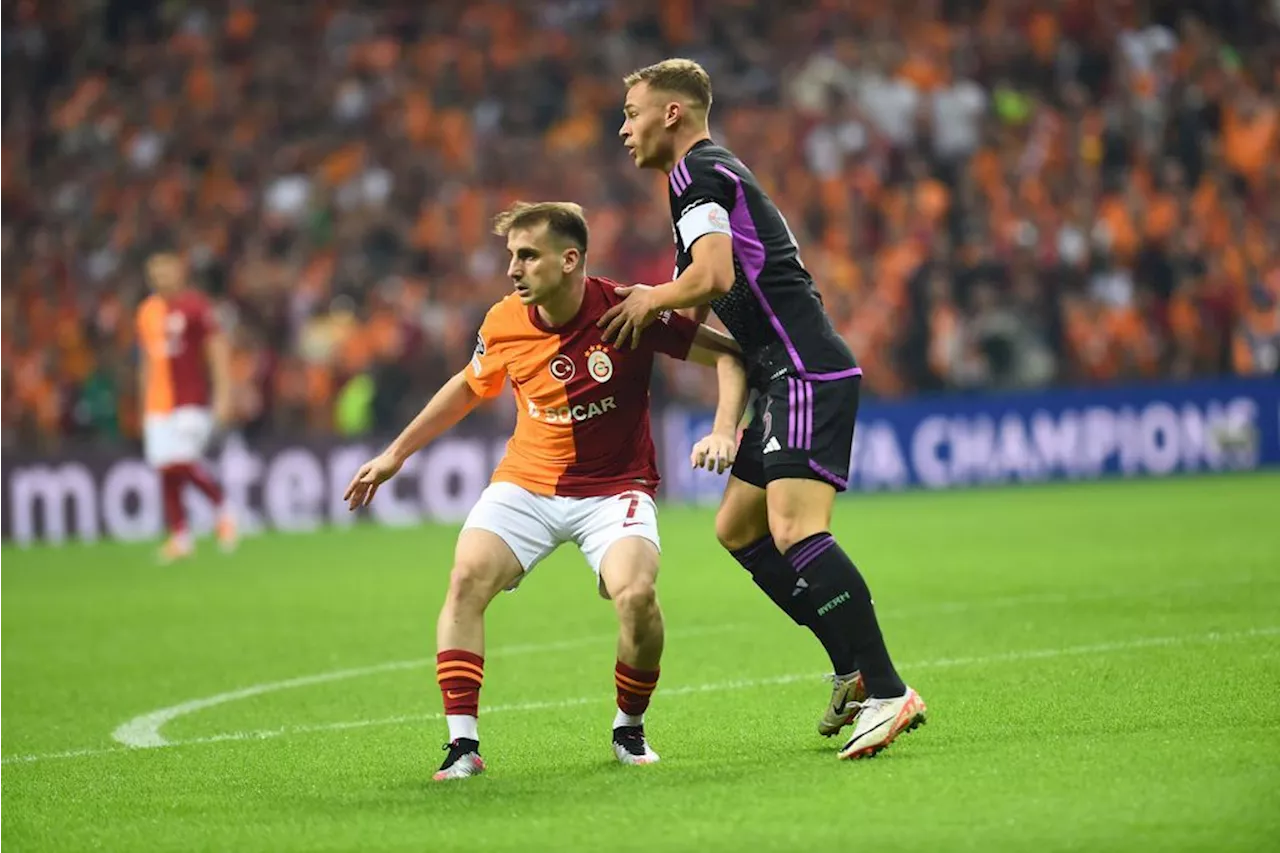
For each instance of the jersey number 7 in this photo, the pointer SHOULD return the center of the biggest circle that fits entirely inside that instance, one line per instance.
(633, 504)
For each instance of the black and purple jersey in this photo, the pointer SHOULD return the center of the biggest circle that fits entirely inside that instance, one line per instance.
(773, 310)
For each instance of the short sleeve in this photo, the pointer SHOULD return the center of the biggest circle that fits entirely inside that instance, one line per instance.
(672, 334)
(486, 370)
(704, 197)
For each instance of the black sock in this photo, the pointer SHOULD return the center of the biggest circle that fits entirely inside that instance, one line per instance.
(842, 608)
(777, 579)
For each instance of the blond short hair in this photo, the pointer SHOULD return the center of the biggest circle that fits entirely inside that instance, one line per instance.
(564, 219)
(679, 76)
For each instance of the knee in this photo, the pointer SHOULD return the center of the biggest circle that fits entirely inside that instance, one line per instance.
(733, 533)
(472, 585)
(787, 531)
(636, 602)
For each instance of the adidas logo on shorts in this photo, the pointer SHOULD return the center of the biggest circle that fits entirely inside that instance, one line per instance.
(772, 444)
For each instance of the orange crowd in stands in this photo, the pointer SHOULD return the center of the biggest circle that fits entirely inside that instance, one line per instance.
(991, 194)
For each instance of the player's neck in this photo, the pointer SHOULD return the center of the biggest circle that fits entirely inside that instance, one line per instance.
(683, 146)
(563, 308)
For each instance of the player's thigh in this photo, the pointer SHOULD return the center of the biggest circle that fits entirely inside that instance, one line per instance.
(601, 524)
(807, 461)
(743, 517)
(519, 519)
(483, 566)
(629, 571)
(798, 508)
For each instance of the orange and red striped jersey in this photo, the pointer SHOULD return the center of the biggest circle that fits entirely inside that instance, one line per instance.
(582, 422)
(172, 333)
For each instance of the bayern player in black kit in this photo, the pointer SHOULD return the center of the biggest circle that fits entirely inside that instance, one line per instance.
(736, 254)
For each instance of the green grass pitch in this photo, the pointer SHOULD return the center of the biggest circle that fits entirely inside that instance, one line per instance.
(1101, 663)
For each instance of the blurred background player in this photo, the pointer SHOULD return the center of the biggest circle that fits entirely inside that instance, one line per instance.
(184, 374)
(735, 253)
(580, 466)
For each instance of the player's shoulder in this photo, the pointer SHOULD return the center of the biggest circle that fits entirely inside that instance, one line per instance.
(151, 305)
(600, 293)
(707, 158)
(707, 172)
(507, 318)
(193, 302)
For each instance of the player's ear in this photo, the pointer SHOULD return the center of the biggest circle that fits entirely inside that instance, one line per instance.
(570, 259)
(672, 114)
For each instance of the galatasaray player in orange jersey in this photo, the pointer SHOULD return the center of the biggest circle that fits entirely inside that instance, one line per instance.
(184, 375)
(579, 468)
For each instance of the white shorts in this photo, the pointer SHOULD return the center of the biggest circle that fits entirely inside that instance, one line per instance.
(534, 525)
(177, 437)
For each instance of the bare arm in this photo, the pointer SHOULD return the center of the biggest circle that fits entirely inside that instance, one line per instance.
(217, 351)
(710, 274)
(142, 383)
(709, 343)
(716, 452)
(716, 349)
(453, 402)
(697, 314)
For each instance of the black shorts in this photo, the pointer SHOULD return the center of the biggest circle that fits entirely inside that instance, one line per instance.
(800, 429)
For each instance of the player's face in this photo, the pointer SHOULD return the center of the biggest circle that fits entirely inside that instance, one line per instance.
(165, 273)
(645, 127)
(539, 267)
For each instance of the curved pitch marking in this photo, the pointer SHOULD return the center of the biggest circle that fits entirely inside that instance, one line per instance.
(143, 731)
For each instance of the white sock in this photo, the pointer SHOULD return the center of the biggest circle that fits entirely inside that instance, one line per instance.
(462, 726)
(621, 719)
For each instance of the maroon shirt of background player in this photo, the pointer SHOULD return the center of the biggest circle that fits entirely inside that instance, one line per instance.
(173, 332)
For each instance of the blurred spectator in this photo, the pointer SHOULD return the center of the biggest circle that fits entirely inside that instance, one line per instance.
(1004, 193)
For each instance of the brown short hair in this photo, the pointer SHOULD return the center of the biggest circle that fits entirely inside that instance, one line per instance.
(681, 76)
(565, 219)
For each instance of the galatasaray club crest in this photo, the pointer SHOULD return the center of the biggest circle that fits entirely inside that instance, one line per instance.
(599, 365)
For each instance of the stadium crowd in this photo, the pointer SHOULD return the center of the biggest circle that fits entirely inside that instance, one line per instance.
(989, 193)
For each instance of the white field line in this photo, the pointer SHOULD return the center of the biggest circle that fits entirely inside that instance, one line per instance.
(143, 731)
(688, 690)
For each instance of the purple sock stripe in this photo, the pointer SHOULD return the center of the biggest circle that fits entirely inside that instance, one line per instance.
(823, 547)
(839, 482)
(796, 559)
(753, 549)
